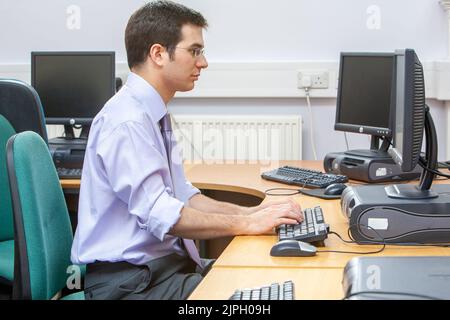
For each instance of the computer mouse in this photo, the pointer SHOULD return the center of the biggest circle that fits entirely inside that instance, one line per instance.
(293, 248)
(335, 189)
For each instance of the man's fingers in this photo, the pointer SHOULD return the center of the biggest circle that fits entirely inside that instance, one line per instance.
(286, 221)
(287, 212)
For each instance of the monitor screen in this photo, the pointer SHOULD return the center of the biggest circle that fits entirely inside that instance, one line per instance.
(73, 86)
(365, 93)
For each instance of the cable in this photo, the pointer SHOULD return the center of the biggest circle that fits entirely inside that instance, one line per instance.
(297, 191)
(423, 164)
(443, 165)
(353, 241)
(383, 242)
(417, 295)
(346, 140)
(404, 244)
(313, 145)
(268, 192)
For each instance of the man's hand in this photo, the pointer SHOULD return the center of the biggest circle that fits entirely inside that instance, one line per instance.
(266, 204)
(265, 220)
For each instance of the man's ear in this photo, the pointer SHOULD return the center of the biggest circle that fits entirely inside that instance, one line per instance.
(157, 54)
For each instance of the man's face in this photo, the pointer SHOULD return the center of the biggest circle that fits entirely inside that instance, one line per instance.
(181, 72)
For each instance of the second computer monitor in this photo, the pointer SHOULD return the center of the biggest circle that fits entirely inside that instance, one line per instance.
(73, 86)
(365, 93)
(410, 110)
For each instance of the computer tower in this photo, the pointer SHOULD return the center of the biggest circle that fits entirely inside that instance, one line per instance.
(402, 278)
(372, 169)
(68, 153)
(374, 217)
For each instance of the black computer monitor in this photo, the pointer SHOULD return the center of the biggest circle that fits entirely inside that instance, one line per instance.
(412, 118)
(365, 93)
(73, 86)
(409, 110)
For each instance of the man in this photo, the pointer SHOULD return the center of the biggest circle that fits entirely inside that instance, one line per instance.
(137, 213)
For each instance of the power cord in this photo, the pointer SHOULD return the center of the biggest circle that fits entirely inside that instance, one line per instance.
(272, 192)
(423, 164)
(306, 85)
(346, 141)
(352, 241)
(382, 242)
(404, 244)
(444, 165)
(269, 192)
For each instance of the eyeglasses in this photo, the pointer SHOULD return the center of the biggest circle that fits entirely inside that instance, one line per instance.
(196, 52)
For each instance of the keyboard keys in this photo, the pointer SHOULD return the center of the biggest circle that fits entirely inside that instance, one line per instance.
(256, 294)
(265, 293)
(246, 295)
(237, 295)
(69, 173)
(313, 228)
(303, 177)
(275, 291)
(288, 290)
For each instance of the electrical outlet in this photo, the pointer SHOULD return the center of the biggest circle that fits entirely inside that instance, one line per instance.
(318, 80)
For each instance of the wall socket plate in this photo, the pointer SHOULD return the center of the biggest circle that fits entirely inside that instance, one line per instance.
(318, 79)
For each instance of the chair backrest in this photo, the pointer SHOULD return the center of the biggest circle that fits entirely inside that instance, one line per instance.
(6, 213)
(21, 105)
(42, 229)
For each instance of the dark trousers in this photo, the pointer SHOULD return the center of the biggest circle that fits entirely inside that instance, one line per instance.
(172, 277)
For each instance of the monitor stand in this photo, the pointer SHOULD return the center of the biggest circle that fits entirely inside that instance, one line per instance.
(374, 165)
(375, 152)
(70, 138)
(68, 151)
(423, 190)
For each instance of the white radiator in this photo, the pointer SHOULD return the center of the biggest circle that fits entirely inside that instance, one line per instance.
(241, 138)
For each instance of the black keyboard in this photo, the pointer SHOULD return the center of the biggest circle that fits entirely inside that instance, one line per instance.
(69, 173)
(273, 292)
(313, 228)
(303, 177)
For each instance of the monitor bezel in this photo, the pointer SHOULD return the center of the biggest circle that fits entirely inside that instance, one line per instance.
(347, 127)
(69, 120)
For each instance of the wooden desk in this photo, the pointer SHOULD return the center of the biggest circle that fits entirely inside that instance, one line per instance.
(310, 284)
(254, 251)
(247, 262)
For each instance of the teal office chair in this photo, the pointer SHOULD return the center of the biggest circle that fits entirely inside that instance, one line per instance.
(42, 230)
(21, 107)
(6, 212)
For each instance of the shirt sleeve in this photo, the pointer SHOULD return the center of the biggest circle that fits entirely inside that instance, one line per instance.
(136, 171)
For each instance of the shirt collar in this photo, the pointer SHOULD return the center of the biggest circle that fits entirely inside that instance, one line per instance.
(147, 95)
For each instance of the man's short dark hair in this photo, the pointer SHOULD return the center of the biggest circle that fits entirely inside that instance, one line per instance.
(157, 22)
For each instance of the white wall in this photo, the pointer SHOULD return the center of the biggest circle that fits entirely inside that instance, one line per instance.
(245, 31)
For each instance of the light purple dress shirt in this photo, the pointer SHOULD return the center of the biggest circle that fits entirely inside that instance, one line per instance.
(127, 204)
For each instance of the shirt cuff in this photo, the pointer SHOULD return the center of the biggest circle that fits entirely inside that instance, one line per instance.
(188, 193)
(164, 215)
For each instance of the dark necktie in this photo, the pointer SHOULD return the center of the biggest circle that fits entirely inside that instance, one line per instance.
(166, 131)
